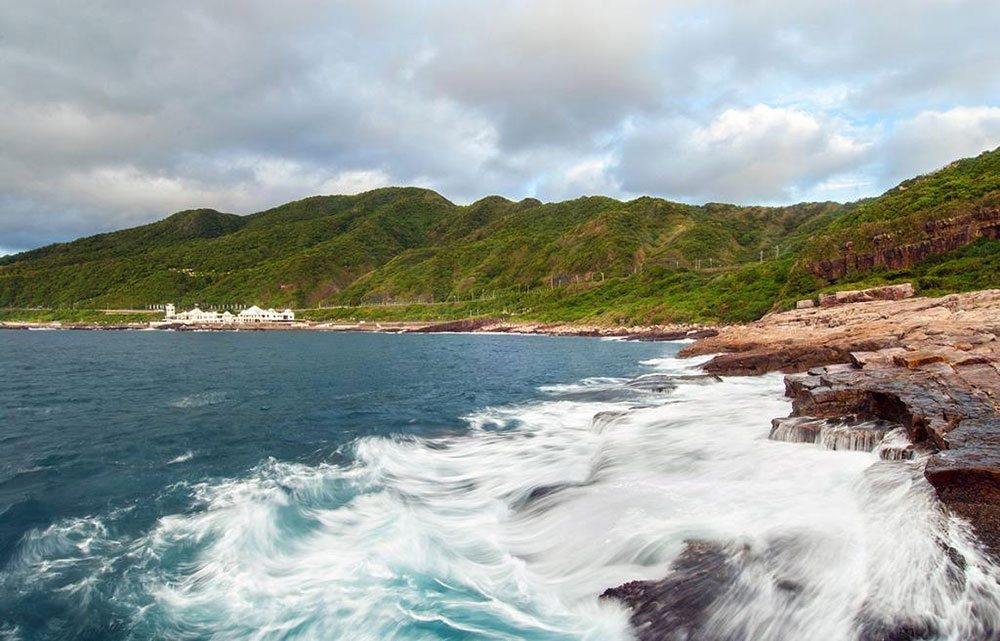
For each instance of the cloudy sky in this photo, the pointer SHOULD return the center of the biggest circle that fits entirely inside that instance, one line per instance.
(119, 113)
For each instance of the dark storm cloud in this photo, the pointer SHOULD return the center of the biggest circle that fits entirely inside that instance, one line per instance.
(117, 113)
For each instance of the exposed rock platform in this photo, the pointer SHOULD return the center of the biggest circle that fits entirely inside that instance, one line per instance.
(798, 340)
(931, 365)
(907, 377)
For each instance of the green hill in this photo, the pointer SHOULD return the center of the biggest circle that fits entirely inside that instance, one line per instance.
(595, 258)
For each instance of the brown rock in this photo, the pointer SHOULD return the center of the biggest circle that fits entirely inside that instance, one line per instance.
(913, 360)
(887, 292)
(930, 365)
(939, 236)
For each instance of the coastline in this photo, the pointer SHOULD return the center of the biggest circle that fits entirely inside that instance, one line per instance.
(929, 366)
(917, 378)
(465, 326)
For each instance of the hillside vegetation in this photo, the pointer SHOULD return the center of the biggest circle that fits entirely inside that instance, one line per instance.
(409, 252)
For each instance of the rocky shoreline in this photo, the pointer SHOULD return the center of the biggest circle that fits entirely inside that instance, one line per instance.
(916, 378)
(465, 326)
(928, 365)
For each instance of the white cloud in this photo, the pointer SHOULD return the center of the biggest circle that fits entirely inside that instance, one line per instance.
(120, 115)
(590, 177)
(757, 154)
(932, 139)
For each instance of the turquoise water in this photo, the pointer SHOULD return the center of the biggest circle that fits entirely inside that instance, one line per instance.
(127, 459)
(271, 485)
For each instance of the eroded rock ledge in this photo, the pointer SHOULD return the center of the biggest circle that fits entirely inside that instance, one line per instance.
(798, 340)
(920, 377)
(931, 365)
(946, 401)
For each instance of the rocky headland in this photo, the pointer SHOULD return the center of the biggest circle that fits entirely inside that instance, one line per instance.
(873, 370)
(929, 366)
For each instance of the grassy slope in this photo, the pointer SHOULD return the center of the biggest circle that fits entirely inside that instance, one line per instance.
(592, 259)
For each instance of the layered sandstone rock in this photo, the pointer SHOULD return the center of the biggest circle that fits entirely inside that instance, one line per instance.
(886, 250)
(947, 405)
(797, 340)
(887, 292)
(930, 365)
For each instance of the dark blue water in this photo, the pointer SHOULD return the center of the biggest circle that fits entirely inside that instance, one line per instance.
(119, 426)
(360, 487)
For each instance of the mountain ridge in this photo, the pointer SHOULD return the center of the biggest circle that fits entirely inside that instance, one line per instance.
(413, 244)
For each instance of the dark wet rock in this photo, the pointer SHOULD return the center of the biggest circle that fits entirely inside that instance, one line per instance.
(914, 629)
(653, 383)
(709, 577)
(699, 379)
(676, 608)
(602, 420)
(788, 585)
(683, 334)
(537, 494)
(967, 480)
(842, 433)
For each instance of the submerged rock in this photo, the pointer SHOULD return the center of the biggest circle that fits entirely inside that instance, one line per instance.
(602, 420)
(876, 629)
(676, 608)
(653, 383)
(698, 379)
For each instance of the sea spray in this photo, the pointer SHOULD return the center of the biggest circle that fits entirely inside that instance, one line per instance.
(512, 529)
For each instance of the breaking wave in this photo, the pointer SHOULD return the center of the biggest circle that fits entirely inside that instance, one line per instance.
(512, 530)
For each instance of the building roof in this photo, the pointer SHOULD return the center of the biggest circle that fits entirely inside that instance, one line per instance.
(252, 310)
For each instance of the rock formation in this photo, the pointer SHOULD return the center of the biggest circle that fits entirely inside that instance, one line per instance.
(884, 250)
(887, 292)
(930, 365)
(912, 378)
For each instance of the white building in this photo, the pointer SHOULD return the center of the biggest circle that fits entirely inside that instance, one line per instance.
(197, 316)
(257, 315)
(250, 315)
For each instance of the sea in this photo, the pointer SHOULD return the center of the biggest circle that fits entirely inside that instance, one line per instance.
(307, 485)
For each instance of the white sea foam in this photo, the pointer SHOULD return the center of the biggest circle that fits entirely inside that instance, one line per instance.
(186, 456)
(512, 530)
(200, 399)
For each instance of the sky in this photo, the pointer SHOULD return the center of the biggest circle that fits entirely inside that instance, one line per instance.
(114, 114)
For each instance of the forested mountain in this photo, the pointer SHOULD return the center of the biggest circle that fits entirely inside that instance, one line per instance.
(592, 258)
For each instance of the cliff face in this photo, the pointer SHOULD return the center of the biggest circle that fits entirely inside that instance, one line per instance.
(942, 235)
